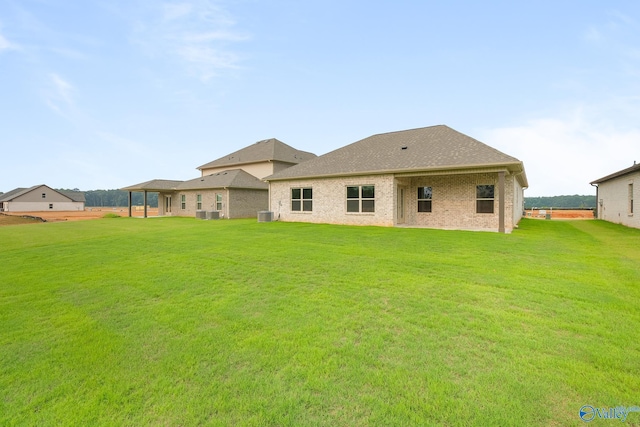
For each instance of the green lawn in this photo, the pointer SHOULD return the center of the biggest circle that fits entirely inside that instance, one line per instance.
(178, 321)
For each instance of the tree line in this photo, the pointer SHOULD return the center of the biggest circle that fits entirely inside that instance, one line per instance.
(117, 198)
(574, 201)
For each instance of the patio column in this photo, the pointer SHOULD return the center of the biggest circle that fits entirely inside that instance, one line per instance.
(145, 203)
(501, 202)
(129, 204)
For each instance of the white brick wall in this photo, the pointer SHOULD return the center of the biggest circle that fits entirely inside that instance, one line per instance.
(614, 195)
(453, 205)
(330, 201)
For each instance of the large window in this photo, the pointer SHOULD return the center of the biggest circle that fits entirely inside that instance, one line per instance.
(302, 199)
(484, 198)
(631, 199)
(424, 199)
(183, 201)
(361, 198)
(218, 202)
(199, 201)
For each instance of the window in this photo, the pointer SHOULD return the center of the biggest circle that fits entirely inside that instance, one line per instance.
(199, 201)
(50, 205)
(484, 198)
(631, 199)
(361, 198)
(183, 201)
(44, 195)
(302, 199)
(424, 199)
(218, 202)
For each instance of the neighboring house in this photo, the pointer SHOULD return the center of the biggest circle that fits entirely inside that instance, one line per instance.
(431, 177)
(615, 196)
(231, 186)
(41, 198)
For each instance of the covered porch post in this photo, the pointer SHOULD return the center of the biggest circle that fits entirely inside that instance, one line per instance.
(129, 198)
(501, 202)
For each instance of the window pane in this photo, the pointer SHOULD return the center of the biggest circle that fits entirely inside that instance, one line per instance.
(307, 193)
(424, 206)
(368, 206)
(424, 193)
(368, 192)
(484, 206)
(353, 206)
(353, 193)
(307, 205)
(295, 193)
(484, 192)
(295, 205)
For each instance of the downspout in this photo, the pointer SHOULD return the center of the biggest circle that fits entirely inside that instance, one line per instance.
(597, 200)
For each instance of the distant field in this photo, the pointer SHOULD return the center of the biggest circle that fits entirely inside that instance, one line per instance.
(178, 321)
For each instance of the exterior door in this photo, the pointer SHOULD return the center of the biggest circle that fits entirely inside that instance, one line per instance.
(167, 205)
(401, 205)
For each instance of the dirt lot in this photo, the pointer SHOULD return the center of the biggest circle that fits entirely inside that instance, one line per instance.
(10, 218)
(560, 214)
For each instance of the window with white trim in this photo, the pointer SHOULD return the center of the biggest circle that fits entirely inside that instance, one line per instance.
(199, 201)
(485, 198)
(218, 201)
(183, 201)
(424, 199)
(631, 199)
(302, 199)
(361, 198)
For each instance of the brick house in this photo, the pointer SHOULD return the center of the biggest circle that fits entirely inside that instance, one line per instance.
(431, 177)
(40, 198)
(615, 194)
(231, 186)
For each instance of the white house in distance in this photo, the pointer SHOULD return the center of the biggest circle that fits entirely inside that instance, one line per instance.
(40, 198)
(432, 177)
(615, 195)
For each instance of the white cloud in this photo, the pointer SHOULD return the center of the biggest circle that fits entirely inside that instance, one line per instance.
(59, 96)
(198, 33)
(5, 44)
(563, 154)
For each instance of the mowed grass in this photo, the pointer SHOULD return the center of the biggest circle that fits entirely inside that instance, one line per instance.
(178, 321)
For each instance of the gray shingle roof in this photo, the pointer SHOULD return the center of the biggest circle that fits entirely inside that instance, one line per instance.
(6, 197)
(154, 185)
(76, 196)
(265, 150)
(233, 178)
(623, 172)
(424, 149)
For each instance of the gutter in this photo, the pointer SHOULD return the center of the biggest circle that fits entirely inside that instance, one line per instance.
(403, 171)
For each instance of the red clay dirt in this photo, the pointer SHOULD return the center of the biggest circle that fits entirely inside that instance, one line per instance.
(560, 213)
(88, 213)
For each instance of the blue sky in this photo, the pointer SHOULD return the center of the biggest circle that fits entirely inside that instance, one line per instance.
(109, 93)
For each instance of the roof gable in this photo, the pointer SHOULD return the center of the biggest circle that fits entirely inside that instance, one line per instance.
(430, 148)
(74, 196)
(261, 151)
